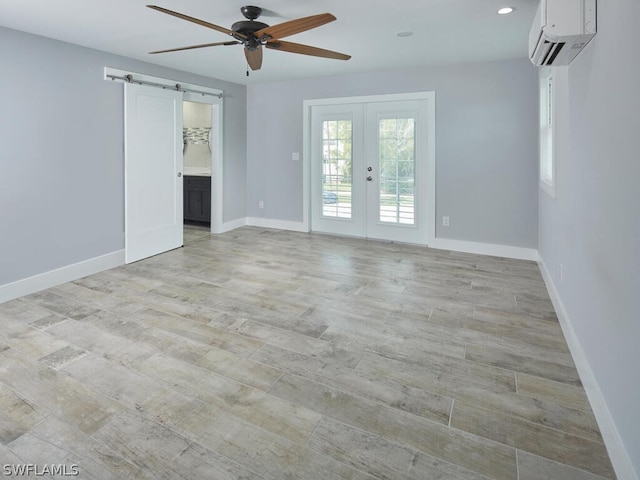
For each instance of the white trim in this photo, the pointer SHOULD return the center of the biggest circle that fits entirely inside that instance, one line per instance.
(431, 166)
(231, 225)
(479, 248)
(548, 85)
(217, 171)
(60, 275)
(392, 97)
(495, 250)
(306, 168)
(277, 224)
(264, 223)
(615, 446)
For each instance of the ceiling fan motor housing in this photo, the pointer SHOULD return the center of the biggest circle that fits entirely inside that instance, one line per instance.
(247, 28)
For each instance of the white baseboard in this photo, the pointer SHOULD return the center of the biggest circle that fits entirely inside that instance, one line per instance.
(506, 251)
(231, 225)
(61, 275)
(617, 452)
(492, 249)
(277, 224)
(262, 222)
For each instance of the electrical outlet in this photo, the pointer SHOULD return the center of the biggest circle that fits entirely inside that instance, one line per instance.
(561, 271)
(261, 204)
(445, 221)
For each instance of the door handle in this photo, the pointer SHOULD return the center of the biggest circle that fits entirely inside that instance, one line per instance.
(179, 174)
(369, 178)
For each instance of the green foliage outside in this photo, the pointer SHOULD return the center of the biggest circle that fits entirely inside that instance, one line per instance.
(397, 159)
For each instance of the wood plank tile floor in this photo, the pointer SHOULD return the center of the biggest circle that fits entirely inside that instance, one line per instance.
(278, 355)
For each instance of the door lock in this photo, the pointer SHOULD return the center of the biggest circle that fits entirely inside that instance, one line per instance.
(369, 169)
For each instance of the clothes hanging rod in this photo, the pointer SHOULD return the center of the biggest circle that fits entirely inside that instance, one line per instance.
(177, 86)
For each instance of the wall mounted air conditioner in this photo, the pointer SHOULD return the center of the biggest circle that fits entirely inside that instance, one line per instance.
(560, 30)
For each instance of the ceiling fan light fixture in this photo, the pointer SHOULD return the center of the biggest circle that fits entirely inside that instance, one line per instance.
(505, 10)
(404, 34)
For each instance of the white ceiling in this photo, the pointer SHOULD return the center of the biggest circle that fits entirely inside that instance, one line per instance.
(445, 31)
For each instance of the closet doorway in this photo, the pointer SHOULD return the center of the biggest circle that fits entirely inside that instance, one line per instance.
(199, 126)
(202, 157)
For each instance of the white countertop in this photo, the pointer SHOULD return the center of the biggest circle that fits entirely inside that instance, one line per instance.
(197, 171)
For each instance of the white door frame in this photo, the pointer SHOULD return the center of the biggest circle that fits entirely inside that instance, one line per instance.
(192, 93)
(431, 149)
(216, 155)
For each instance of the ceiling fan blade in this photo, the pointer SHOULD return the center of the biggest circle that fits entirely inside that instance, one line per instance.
(254, 57)
(291, 27)
(305, 50)
(190, 47)
(193, 19)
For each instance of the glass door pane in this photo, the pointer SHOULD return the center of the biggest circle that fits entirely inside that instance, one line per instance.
(397, 151)
(337, 168)
(337, 183)
(396, 146)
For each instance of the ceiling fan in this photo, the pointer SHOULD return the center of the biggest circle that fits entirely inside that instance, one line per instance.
(253, 35)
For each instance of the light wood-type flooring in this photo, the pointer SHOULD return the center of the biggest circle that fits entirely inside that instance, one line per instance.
(278, 355)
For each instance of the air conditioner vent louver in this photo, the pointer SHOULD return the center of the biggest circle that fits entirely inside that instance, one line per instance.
(552, 53)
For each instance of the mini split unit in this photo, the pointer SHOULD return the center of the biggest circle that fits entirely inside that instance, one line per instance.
(560, 30)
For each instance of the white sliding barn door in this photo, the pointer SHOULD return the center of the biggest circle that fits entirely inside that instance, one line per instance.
(153, 171)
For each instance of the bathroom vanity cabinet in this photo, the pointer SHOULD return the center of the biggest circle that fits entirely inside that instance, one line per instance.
(197, 198)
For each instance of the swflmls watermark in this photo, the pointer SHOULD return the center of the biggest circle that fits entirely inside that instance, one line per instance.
(32, 469)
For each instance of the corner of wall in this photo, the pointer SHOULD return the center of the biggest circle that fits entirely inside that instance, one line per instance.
(278, 224)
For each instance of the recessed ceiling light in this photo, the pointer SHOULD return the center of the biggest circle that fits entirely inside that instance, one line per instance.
(404, 34)
(505, 11)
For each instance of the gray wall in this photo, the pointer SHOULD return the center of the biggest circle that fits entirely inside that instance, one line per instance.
(593, 227)
(61, 132)
(486, 144)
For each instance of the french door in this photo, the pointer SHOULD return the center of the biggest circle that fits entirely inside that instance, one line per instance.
(153, 171)
(369, 170)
